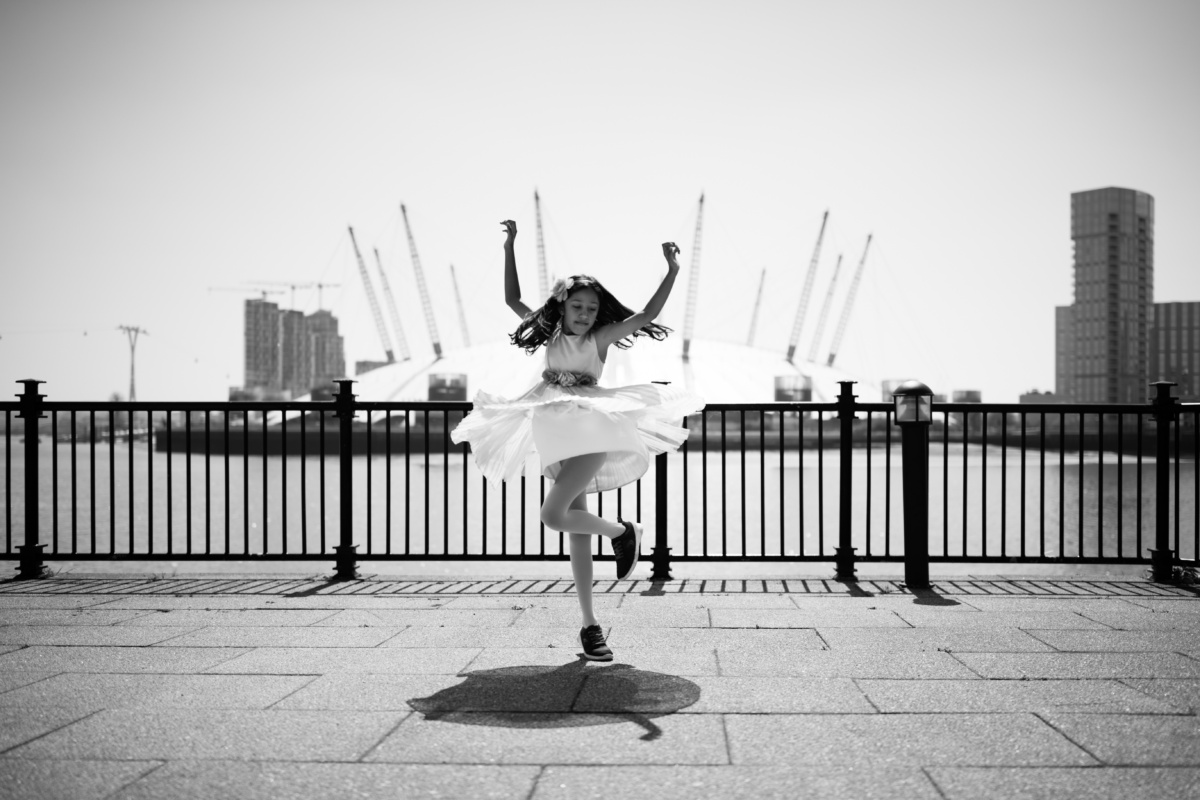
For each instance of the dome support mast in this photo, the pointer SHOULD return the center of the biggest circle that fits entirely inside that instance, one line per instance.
(807, 292)
(384, 339)
(421, 287)
(543, 273)
(816, 342)
(689, 315)
(841, 328)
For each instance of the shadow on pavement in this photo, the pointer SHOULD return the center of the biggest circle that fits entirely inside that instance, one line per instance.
(572, 695)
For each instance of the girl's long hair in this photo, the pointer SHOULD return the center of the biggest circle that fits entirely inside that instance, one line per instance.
(541, 324)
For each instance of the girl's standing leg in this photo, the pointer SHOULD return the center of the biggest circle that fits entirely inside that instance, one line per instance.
(581, 566)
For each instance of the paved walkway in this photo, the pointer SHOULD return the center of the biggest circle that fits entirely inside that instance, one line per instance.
(137, 687)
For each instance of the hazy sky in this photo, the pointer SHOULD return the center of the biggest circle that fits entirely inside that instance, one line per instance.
(152, 150)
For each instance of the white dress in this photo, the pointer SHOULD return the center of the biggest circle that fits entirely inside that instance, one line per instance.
(561, 419)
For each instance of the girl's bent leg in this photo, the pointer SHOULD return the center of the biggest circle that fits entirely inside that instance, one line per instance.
(559, 511)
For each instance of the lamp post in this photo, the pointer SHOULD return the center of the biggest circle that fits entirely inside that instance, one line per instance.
(914, 414)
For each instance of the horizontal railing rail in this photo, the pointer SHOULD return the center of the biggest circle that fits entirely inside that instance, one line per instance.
(764, 482)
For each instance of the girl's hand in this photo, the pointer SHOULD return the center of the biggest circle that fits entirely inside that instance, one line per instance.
(510, 228)
(670, 252)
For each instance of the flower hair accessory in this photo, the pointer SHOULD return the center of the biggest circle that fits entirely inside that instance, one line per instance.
(561, 289)
(566, 378)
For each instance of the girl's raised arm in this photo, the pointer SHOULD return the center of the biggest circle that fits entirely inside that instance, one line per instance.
(512, 287)
(619, 330)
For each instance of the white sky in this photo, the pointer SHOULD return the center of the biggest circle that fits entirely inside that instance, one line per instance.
(151, 150)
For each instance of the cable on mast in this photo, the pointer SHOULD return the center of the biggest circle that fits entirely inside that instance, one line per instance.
(543, 273)
(393, 312)
(807, 292)
(689, 315)
(841, 328)
(462, 316)
(816, 342)
(421, 287)
(757, 304)
(373, 300)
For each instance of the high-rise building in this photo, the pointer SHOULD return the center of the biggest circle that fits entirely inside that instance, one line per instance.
(1064, 352)
(1108, 353)
(261, 335)
(1175, 348)
(326, 360)
(289, 354)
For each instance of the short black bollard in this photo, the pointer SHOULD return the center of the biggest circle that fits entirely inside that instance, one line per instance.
(31, 565)
(347, 567)
(1162, 557)
(914, 414)
(844, 553)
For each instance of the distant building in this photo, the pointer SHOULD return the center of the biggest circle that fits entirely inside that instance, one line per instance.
(966, 396)
(1033, 396)
(1175, 348)
(288, 354)
(1105, 356)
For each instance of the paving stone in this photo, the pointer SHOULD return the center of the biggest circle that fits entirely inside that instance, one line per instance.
(899, 740)
(770, 695)
(520, 636)
(1081, 665)
(1000, 619)
(1077, 783)
(8, 648)
(8, 601)
(857, 605)
(1184, 694)
(1148, 619)
(116, 659)
(205, 780)
(68, 780)
(688, 601)
(1041, 605)
(769, 782)
(906, 640)
(91, 692)
(274, 602)
(102, 635)
(649, 616)
(1176, 605)
(399, 618)
(14, 680)
(65, 616)
(366, 692)
(1128, 739)
(767, 618)
(312, 636)
(952, 697)
(216, 734)
(740, 662)
(525, 602)
(778, 639)
(321, 661)
(577, 738)
(1129, 641)
(249, 617)
(21, 724)
(653, 659)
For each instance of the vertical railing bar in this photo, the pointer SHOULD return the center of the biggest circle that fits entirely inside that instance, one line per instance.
(983, 454)
(8, 447)
(370, 487)
(1177, 423)
(724, 485)
(966, 418)
(92, 473)
(686, 452)
(1003, 483)
(1195, 487)
(484, 495)
(112, 482)
(265, 501)
(867, 516)
(387, 481)
(425, 413)
(887, 484)
(523, 490)
(1100, 488)
(466, 517)
(782, 543)
(130, 419)
(820, 484)
(504, 518)
(1138, 504)
(225, 450)
(742, 470)
(187, 479)
(283, 487)
(1062, 486)
(1079, 541)
(541, 501)
(53, 480)
(74, 484)
(704, 484)
(762, 481)
(1120, 485)
(1042, 484)
(304, 481)
(150, 480)
(945, 483)
(246, 481)
(408, 482)
(207, 481)
(1024, 421)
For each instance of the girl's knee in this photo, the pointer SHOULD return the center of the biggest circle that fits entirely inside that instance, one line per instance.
(552, 518)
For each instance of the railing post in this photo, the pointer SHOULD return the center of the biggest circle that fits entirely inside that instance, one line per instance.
(1162, 558)
(346, 559)
(661, 558)
(914, 414)
(844, 552)
(31, 565)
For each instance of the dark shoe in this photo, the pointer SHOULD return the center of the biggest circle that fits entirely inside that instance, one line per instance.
(594, 646)
(626, 548)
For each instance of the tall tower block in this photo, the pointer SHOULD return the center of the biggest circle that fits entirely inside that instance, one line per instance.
(1113, 233)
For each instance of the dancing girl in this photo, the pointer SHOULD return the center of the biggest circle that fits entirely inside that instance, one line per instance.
(588, 438)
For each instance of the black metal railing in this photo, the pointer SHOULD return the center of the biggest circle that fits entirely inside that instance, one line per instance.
(807, 481)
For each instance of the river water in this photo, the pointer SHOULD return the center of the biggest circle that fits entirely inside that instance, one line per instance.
(752, 503)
